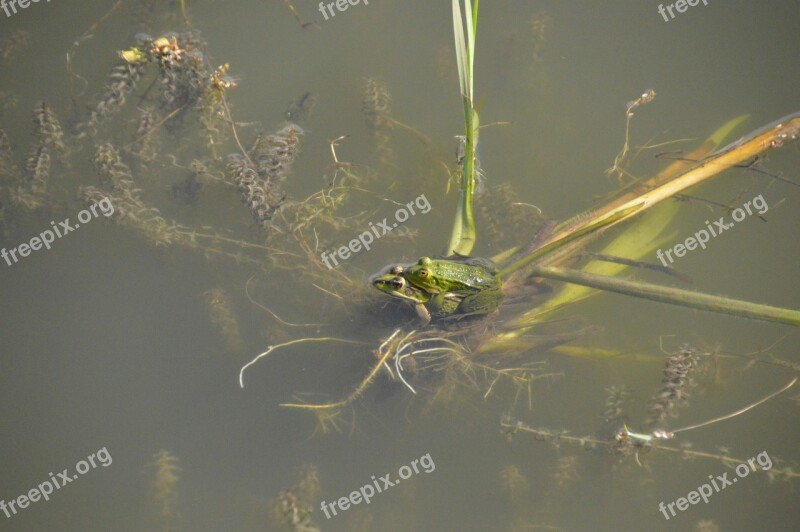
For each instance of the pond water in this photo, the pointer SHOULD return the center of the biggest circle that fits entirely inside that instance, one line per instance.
(123, 345)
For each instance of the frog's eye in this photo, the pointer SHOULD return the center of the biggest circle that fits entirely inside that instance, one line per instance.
(424, 273)
(398, 283)
(396, 270)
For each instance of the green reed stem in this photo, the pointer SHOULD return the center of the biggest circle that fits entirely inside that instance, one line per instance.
(674, 296)
(462, 237)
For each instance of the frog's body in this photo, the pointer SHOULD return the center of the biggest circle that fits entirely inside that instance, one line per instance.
(437, 276)
(445, 289)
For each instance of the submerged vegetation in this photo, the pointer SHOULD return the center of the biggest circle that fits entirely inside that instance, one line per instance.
(292, 509)
(439, 328)
(164, 490)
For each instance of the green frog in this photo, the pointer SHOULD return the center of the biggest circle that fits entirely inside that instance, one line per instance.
(445, 289)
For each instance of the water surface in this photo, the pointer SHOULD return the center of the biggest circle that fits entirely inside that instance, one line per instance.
(107, 341)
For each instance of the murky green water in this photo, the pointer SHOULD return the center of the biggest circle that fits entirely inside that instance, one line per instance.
(107, 341)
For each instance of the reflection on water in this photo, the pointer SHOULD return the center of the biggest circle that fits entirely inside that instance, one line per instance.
(128, 336)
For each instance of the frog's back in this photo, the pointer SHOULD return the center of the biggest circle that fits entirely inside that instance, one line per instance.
(486, 264)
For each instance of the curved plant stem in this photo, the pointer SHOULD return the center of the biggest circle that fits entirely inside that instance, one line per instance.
(353, 396)
(272, 348)
(734, 414)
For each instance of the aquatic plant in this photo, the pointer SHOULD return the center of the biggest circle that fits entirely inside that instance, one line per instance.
(513, 481)
(615, 397)
(12, 47)
(31, 194)
(254, 191)
(275, 154)
(500, 207)
(7, 175)
(675, 385)
(565, 472)
(616, 437)
(164, 489)
(293, 508)
(38, 169)
(145, 145)
(462, 237)
(130, 210)
(376, 105)
(48, 129)
(223, 318)
(121, 81)
(8, 170)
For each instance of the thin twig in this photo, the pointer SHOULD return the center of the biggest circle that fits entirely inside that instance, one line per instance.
(272, 348)
(350, 398)
(736, 413)
(256, 303)
(88, 34)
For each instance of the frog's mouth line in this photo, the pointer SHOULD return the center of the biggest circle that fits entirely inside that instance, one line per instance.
(397, 284)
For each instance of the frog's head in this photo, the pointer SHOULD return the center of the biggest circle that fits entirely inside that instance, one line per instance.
(395, 285)
(422, 275)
